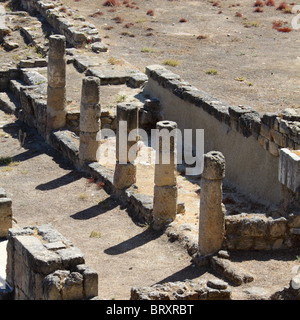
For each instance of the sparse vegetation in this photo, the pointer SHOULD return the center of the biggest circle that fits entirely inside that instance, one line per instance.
(121, 98)
(249, 24)
(211, 72)
(95, 234)
(83, 196)
(148, 50)
(171, 62)
(4, 161)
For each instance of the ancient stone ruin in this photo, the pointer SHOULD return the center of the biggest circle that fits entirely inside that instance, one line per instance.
(43, 265)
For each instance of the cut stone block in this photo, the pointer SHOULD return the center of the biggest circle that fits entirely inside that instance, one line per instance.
(289, 169)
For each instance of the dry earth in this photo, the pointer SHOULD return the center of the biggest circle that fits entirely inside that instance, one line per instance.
(256, 65)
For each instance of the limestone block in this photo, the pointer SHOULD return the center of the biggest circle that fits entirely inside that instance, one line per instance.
(57, 46)
(55, 120)
(125, 175)
(289, 169)
(164, 204)
(278, 227)
(273, 148)
(214, 166)
(90, 118)
(88, 146)
(5, 216)
(72, 288)
(294, 220)
(52, 284)
(5, 207)
(165, 174)
(90, 91)
(56, 98)
(70, 257)
(56, 72)
(99, 47)
(5, 225)
(90, 280)
(34, 254)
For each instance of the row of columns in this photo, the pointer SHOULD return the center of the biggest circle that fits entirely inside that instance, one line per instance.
(211, 221)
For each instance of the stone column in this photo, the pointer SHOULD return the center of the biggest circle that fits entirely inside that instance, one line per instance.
(56, 91)
(90, 125)
(212, 215)
(165, 182)
(126, 151)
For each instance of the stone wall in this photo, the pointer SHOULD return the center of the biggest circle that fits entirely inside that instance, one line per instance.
(75, 29)
(5, 213)
(258, 232)
(187, 290)
(43, 265)
(249, 141)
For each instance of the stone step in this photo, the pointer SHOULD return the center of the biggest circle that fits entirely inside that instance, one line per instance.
(8, 103)
(15, 87)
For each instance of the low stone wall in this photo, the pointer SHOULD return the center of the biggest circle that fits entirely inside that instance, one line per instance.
(249, 141)
(5, 214)
(187, 290)
(6, 75)
(78, 33)
(258, 232)
(43, 265)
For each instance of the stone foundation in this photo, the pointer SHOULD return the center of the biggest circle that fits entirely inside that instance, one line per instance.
(187, 290)
(43, 265)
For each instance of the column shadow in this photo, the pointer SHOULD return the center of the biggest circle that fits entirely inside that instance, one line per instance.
(94, 211)
(134, 242)
(61, 181)
(190, 272)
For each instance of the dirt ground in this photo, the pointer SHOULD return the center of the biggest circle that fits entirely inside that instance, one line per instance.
(256, 65)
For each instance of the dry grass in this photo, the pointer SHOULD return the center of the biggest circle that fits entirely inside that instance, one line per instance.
(171, 62)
